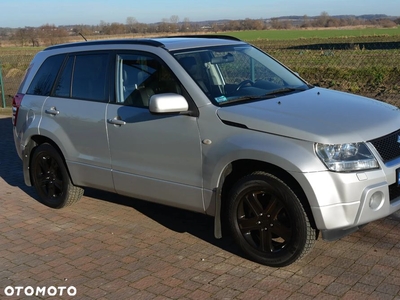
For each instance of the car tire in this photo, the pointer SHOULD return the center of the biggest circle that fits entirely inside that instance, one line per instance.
(268, 221)
(51, 179)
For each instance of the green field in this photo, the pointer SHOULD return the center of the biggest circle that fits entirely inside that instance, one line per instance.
(363, 61)
(313, 33)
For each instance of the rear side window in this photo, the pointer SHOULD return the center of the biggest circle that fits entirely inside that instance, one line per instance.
(44, 79)
(89, 78)
(85, 76)
(63, 88)
(24, 78)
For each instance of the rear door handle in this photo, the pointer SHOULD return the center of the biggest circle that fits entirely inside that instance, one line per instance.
(116, 121)
(52, 111)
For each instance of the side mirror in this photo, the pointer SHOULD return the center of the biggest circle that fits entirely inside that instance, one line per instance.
(168, 103)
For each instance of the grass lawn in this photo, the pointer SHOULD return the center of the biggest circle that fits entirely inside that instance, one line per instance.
(312, 33)
(362, 60)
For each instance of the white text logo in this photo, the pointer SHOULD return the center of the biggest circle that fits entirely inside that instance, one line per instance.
(40, 291)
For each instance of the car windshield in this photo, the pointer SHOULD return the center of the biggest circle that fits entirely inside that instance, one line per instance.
(241, 73)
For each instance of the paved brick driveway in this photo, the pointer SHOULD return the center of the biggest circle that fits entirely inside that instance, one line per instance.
(111, 247)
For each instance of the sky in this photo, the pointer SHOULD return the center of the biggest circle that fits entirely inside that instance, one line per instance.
(21, 13)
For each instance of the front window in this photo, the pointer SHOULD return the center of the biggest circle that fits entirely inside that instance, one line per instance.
(232, 74)
(140, 76)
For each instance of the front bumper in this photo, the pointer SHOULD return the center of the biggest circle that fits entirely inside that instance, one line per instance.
(342, 202)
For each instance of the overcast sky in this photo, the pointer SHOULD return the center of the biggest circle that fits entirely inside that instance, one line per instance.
(21, 13)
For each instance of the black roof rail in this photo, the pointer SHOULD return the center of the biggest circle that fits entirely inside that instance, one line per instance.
(207, 36)
(141, 41)
(147, 42)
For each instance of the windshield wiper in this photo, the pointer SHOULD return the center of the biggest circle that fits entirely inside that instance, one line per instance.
(283, 91)
(269, 95)
(243, 99)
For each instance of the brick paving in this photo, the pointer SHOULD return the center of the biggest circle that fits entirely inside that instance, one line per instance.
(112, 247)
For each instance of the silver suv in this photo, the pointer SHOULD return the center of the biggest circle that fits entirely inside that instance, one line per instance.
(213, 125)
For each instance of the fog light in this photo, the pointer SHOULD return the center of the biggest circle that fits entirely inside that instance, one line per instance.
(376, 200)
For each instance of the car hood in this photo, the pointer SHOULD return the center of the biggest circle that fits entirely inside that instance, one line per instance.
(317, 115)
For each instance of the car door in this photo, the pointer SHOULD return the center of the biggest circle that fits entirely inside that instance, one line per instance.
(153, 157)
(75, 118)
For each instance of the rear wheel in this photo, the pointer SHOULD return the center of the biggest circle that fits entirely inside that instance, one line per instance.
(268, 221)
(51, 179)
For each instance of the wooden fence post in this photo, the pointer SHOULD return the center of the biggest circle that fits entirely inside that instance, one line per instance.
(2, 88)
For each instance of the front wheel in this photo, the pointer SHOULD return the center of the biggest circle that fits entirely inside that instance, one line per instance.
(51, 179)
(268, 221)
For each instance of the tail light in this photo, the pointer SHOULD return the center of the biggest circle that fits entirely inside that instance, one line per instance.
(16, 103)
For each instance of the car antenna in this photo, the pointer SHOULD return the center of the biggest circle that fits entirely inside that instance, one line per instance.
(82, 36)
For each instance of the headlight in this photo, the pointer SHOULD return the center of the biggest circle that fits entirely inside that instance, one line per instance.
(346, 157)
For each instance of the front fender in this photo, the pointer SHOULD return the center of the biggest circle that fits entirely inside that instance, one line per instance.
(294, 156)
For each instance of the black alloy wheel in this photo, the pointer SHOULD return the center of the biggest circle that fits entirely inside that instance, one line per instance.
(268, 221)
(51, 179)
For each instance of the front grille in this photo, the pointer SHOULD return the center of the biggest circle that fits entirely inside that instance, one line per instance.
(388, 146)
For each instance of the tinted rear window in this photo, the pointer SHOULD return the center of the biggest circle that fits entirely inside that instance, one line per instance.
(90, 77)
(44, 79)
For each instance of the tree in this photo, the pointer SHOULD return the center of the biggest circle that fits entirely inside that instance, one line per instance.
(33, 37)
(215, 27)
(258, 24)
(186, 26)
(103, 26)
(84, 30)
(46, 34)
(276, 23)
(52, 35)
(164, 25)
(322, 20)
(143, 28)
(252, 24)
(114, 28)
(174, 23)
(387, 23)
(332, 22)
(306, 22)
(20, 37)
(174, 19)
(131, 24)
(232, 25)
